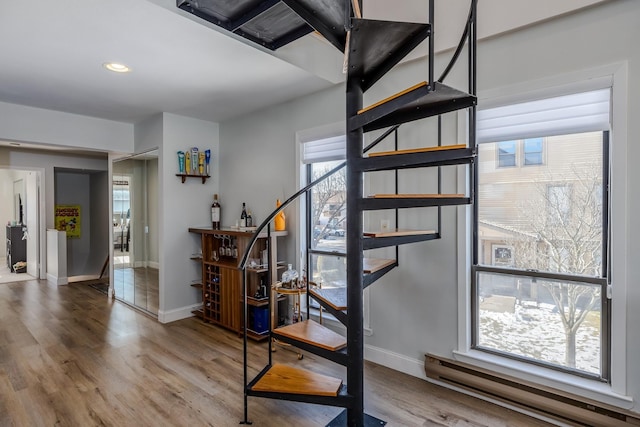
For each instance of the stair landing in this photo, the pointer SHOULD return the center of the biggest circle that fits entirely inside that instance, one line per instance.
(313, 333)
(290, 380)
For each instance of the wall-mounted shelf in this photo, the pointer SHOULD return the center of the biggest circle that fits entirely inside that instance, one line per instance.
(184, 177)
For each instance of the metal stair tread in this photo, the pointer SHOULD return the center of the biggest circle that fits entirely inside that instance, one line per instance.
(371, 265)
(414, 103)
(312, 332)
(403, 201)
(326, 17)
(287, 379)
(375, 47)
(416, 158)
(336, 298)
(418, 150)
(396, 232)
(270, 24)
(415, 196)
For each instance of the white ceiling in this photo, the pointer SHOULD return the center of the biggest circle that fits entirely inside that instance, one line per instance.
(51, 56)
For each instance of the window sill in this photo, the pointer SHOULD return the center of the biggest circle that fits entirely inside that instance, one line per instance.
(587, 388)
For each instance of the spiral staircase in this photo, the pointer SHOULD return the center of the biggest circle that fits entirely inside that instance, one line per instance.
(372, 48)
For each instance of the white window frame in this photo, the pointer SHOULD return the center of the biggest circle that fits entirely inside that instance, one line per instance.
(614, 76)
(302, 136)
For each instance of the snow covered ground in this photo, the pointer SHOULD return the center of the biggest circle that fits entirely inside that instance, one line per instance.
(537, 332)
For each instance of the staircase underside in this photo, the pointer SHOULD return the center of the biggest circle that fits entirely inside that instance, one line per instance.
(273, 23)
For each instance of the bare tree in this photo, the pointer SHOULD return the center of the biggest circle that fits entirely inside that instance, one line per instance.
(329, 198)
(564, 235)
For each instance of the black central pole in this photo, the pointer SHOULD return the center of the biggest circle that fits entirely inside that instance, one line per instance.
(355, 336)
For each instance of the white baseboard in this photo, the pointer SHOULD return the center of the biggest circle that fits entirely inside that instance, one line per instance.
(395, 361)
(57, 280)
(177, 313)
(82, 278)
(153, 264)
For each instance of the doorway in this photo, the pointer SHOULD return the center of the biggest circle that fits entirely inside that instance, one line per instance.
(20, 214)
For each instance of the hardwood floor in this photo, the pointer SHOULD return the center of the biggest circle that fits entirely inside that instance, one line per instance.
(71, 357)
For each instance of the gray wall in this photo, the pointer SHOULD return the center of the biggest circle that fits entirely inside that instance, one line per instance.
(100, 221)
(45, 162)
(182, 206)
(415, 309)
(86, 254)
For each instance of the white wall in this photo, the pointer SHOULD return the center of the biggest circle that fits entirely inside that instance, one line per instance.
(414, 310)
(40, 126)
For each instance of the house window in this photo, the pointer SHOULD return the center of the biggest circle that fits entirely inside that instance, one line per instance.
(506, 154)
(532, 151)
(326, 215)
(540, 236)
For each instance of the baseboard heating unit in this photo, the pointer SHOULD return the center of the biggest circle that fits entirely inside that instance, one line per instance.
(553, 404)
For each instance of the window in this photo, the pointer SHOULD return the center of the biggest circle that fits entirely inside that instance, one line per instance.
(506, 153)
(325, 224)
(540, 260)
(532, 151)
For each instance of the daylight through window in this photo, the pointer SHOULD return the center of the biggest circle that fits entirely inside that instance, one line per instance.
(540, 267)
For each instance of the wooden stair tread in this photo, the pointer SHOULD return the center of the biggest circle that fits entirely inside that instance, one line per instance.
(312, 332)
(392, 97)
(418, 102)
(418, 150)
(334, 297)
(415, 196)
(371, 265)
(286, 379)
(396, 232)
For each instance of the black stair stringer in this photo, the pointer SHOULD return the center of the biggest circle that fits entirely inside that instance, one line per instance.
(371, 278)
(340, 356)
(459, 156)
(326, 16)
(385, 242)
(338, 314)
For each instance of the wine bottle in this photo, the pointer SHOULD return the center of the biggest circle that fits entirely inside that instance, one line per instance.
(215, 213)
(243, 216)
(249, 219)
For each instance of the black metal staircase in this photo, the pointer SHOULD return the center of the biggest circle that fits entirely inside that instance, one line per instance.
(374, 48)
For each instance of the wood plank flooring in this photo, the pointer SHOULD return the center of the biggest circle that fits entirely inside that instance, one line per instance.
(71, 357)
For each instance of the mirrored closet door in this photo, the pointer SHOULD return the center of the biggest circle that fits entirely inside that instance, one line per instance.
(135, 230)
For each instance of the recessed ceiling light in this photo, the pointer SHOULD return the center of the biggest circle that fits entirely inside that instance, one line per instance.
(116, 68)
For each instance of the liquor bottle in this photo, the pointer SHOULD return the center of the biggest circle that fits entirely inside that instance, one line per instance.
(243, 216)
(280, 221)
(215, 213)
(249, 219)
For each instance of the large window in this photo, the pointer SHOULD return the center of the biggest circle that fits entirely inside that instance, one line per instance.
(540, 260)
(326, 215)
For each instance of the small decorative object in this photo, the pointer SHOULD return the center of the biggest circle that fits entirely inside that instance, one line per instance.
(290, 278)
(181, 161)
(207, 158)
(187, 162)
(280, 219)
(201, 163)
(194, 161)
